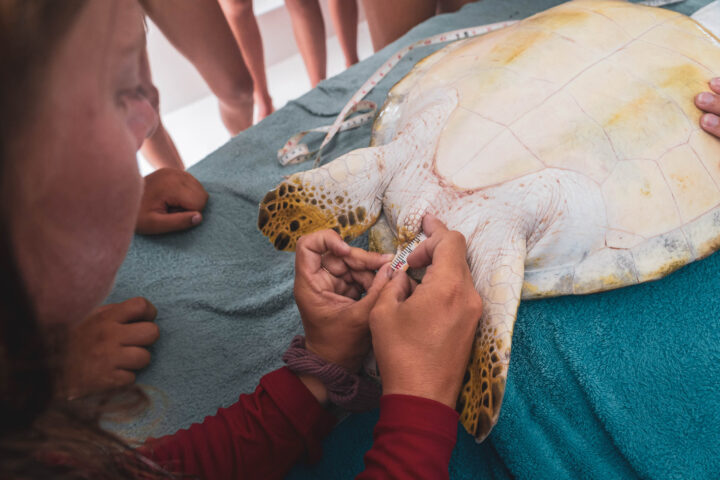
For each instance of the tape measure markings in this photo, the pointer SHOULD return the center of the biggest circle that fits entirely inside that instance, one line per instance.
(399, 262)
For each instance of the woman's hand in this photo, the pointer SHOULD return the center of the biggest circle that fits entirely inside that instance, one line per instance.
(330, 277)
(710, 102)
(105, 348)
(422, 336)
(172, 200)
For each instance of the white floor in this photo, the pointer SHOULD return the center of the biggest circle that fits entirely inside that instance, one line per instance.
(196, 127)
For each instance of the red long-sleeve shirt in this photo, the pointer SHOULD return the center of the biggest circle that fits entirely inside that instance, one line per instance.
(264, 434)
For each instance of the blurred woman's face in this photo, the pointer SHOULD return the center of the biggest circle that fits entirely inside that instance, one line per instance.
(75, 184)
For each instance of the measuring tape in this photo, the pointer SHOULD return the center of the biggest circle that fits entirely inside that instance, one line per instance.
(399, 262)
(295, 152)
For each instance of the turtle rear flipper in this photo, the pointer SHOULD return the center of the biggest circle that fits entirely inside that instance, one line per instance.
(344, 195)
(499, 278)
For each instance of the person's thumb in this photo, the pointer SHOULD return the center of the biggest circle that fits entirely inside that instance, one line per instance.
(382, 278)
(157, 222)
(396, 290)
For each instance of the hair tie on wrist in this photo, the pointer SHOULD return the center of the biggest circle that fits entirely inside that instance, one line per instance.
(350, 391)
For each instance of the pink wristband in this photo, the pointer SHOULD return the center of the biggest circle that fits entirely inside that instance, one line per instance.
(350, 391)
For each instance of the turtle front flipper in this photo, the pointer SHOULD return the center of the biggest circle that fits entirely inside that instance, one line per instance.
(498, 275)
(344, 195)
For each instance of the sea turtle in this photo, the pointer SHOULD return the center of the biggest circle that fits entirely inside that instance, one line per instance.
(566, 149)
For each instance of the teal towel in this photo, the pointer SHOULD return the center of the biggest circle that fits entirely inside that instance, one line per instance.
(622, 384)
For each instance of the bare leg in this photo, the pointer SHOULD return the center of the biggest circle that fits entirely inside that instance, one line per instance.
(446, 6)
(309, 29)
(243, 24)
(389, 20)
(158, 148)
(198, 29)
(344, 15)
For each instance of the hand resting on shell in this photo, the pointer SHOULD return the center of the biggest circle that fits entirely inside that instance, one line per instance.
(709, 102)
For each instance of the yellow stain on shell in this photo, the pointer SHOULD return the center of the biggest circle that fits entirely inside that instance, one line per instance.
(683, 82)
(682, 181)
(708, 247)
(629, 110)
(505, 53)
(531, 288)
(681, 77)
(664, 270)
(645, 189)
(556, 20)
(611, 281)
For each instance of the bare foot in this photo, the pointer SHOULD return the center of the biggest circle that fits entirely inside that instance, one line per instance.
(105, 348)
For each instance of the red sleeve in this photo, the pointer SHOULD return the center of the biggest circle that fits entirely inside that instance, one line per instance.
(261, 436)
(413, 439)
